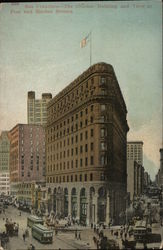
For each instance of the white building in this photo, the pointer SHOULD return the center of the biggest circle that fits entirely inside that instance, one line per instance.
(37, 108)
(135, 151)
(5, 183)
(4, 163)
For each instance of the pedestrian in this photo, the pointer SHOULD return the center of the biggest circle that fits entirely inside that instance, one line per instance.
(94, 228)
(76, 234)
(20, 214)
(98, 244)
(24, 237)
(79, 236)
(33, 247)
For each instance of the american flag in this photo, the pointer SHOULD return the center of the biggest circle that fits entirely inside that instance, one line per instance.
(84, 41)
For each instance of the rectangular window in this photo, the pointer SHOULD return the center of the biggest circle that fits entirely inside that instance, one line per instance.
(86, 147)
(103, 146)
(81, 149)
(103, 160)
(86, 161)
(103, 107)
(102, 118)
(92, 132)
(102, 80)
(103, 132)
(103, 92)
(91, 145)
(81, 162)
(92, 160)
(81, 136)
(102, 177)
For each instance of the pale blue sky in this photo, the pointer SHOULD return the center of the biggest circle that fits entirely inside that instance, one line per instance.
(41, 52)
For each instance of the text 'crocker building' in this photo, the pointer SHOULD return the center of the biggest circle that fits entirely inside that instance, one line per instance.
(86, 148)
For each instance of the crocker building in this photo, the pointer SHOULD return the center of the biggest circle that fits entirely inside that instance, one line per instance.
(86, 170)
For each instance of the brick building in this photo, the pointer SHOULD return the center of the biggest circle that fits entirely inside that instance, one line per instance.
(27, 159)
(86, 171)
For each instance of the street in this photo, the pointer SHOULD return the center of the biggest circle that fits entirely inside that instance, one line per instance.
(61, 241)
(66, 240)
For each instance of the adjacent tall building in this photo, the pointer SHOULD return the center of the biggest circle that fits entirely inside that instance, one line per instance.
(135, 151)
(86, 169)
(27, 159)
(135, 179)
(37, 108)
(4, 163)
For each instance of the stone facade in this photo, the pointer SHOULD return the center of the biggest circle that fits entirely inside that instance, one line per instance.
(86, 170)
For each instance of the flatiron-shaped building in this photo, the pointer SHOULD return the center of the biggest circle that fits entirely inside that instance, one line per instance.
(86, 168)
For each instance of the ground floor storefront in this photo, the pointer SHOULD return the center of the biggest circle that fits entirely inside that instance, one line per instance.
(88, 203)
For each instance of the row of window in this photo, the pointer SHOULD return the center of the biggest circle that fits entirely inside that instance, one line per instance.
(70, 178)
(74, 163)
(74, 151)
(81, 163)
(73, 139)
(83, 89)
(74, 95)
(72, 119)
(70, 129)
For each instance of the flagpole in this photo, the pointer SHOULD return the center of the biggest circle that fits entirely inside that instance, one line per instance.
(90, 48)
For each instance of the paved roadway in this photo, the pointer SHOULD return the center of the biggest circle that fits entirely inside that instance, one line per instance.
(61, 241)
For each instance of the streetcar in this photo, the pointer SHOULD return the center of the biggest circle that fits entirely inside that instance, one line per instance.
(42, 234)
(32, 219)
(141, 231)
